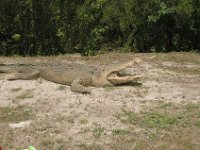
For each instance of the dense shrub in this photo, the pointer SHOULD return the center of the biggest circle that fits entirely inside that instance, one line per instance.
(50, 27)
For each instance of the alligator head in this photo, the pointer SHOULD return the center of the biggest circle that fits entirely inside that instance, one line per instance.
(113, 75)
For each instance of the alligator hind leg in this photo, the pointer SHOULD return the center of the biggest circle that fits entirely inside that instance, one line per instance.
(24, 76)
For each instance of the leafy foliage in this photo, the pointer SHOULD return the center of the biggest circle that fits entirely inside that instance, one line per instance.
(45, 27)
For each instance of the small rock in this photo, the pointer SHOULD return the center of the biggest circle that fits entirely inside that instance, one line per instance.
(23, 124)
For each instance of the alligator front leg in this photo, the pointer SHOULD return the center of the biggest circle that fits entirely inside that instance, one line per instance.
(76, 86)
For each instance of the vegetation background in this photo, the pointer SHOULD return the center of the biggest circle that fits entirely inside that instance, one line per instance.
(51, 27)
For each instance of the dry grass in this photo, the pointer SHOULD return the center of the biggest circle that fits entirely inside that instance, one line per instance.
(169, 126)
(25, 95)
(158, 125)
(15, 114)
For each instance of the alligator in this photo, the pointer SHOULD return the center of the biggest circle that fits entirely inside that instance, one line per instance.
(81, 78)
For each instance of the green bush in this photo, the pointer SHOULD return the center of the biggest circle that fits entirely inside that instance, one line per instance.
(45, 27)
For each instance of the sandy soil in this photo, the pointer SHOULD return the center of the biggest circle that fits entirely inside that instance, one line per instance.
(50, 116)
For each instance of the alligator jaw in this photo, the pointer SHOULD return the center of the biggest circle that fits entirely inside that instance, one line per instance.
(117, 68)
(115, 79)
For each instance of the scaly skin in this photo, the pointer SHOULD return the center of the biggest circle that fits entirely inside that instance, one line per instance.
(79, 79)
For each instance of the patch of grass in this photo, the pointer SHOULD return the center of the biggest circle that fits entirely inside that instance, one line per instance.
(184, 120)
(131, 116)
(61, 87)
(83, 121)
(16, 89)
(47, 143)
(192, 110)
(166, 105)
(53, 144)
(15, 114)
(7, 137)
(127, 116)
(172, 116)
(98, 131)
(192, 106)
(84, 146)
(70, 119)
(189, 146)
(197, 124)
(119, 132)
(159, 120)
(25, 95)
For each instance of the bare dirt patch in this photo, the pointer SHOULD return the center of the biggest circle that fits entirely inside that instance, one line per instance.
(162, 112)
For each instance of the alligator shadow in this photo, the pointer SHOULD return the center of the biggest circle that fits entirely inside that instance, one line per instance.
(135, 84)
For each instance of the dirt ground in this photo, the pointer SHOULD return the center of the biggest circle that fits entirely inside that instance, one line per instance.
(160, 112)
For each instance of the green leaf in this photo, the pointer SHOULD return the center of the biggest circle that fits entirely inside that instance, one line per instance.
(16, 37)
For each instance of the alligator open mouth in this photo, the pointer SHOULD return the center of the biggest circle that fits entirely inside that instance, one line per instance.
(114, 75)
(116, 78)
